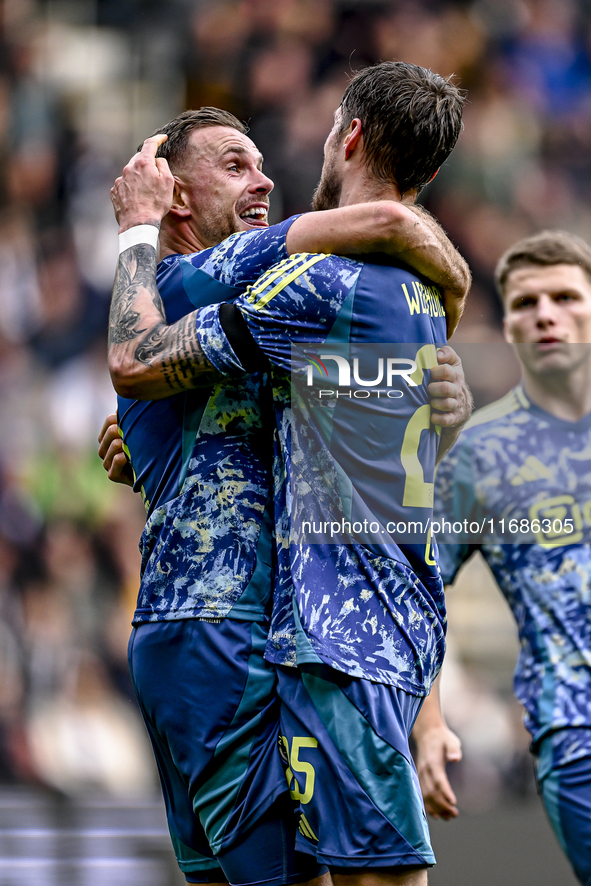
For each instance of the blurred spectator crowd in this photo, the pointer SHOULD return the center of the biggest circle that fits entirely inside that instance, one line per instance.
(82, 82)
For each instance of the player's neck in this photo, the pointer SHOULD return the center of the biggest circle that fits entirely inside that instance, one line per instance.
(179, 239)
(362, 188)
(567, 396)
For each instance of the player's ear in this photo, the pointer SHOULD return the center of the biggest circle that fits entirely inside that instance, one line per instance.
(354, 138)
(180, 202)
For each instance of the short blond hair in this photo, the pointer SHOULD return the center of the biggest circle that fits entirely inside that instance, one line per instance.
(180, 129)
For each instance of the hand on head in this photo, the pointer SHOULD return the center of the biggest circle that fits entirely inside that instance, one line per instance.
(143, 192)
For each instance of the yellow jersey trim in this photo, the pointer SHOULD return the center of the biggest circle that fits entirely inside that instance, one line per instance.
(300, 268)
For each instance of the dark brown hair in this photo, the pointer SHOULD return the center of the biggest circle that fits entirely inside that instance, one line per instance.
(543, 249)
(411, 119)
(179, 130)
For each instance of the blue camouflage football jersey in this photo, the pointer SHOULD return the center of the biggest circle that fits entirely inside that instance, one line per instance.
(368, 603)
(524, 476)
(201, 459)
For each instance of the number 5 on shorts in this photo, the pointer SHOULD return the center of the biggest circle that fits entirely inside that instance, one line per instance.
(300, 766)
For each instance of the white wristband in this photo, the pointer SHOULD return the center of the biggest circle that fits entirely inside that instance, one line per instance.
(139, 234)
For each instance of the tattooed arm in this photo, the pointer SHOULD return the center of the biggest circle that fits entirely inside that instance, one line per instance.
(147, 358)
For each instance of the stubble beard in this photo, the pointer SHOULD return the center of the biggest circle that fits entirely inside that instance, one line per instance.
(328, 191)
(219, 228)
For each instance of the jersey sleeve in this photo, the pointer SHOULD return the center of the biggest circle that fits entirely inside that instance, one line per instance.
(296, 301)
(215, 343)
(454, 503)
(242, 258)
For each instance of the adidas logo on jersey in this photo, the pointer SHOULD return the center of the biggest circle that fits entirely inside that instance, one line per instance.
(531, 469)
(305, 829)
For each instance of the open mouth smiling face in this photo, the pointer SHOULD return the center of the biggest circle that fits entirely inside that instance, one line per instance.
(255, 216)
(226, 188)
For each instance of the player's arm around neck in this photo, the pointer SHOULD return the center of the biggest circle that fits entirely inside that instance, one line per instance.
(405, 231)
(432, 254)
(148, 359)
